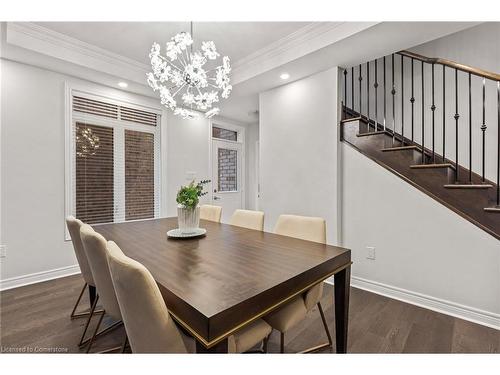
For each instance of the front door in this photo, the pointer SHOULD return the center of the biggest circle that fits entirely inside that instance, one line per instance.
(227, 176)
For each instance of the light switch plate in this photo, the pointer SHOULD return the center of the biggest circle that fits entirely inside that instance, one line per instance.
(370, 252)
(3, 251)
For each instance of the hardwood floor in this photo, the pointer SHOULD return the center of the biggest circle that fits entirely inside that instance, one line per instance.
(35, 318)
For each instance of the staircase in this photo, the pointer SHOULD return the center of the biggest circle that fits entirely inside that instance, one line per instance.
(412, 146)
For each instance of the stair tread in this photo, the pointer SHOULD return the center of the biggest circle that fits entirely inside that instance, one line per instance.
(469, 203)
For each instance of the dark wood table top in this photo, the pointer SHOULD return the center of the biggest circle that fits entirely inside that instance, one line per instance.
(215, 284)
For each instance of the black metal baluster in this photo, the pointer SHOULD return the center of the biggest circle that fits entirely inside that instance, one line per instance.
(393, 92)
(412, 101)
(496, 208)
(402, 104)
(368, 94)
(498, 145)
(483, 127)
(456, 117)
(344, 104)
(375, 86)
(470, 130)
(385, 96)
(444, 113)
(423, 122)
(360, 79)
(352, 88)
(433, 109)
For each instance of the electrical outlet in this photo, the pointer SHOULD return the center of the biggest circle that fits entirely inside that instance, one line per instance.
(3, 251)
(370, 252)
(190, 175)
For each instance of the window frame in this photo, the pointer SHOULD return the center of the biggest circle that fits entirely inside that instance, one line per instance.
(119, 126)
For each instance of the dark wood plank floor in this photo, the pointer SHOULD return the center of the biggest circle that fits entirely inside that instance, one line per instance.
(35, 318)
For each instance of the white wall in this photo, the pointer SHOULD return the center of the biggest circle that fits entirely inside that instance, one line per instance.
(298, 146)
(188, 151)
(477, 47)
(252, 137)
(32, 169)
(421, 246)
(425, 253)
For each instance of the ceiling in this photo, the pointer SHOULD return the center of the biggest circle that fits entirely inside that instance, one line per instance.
(116, 51)
(134, 39)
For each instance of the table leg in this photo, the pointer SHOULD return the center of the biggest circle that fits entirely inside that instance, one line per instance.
(220, 347)
(342, 283)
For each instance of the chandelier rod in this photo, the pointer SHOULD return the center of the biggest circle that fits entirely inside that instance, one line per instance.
(192, 37)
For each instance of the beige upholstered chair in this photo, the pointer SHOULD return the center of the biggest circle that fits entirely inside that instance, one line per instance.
(74, 231)
(248, 219)
(149, 326)
(95, 247)
(210, 213)
(284, 318)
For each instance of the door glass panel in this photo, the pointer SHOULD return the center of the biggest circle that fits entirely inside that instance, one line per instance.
(227, 169)
(229, 135)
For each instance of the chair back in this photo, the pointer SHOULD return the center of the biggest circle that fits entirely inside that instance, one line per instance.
(248, 219)
(309, 229)
(96, 249)
(149, 327)
(302, 227)
(210, 213)
(74, 226)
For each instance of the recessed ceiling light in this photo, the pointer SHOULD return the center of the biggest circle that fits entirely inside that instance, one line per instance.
(284, 76)
(123, 84)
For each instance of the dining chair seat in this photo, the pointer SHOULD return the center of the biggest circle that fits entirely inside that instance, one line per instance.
(288, 316)
(248, 219)
(210, 212)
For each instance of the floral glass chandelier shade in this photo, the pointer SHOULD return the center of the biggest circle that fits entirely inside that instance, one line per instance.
(189, 80)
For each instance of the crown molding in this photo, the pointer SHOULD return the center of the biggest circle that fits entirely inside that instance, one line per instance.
(307, 39)
(48, 42)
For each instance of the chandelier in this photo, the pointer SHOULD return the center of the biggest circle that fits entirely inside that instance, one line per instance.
(189, 80)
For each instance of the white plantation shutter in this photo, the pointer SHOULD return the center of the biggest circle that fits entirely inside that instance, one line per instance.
(115, 160)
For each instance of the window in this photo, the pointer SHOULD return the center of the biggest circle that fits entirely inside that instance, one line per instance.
(228, 135)
(227, 170)
(114, 156)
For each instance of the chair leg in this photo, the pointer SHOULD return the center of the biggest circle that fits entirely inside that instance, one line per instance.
(95, 333)
(282, 342)
(264, 344)
(88, 321)
(330, 341)
(73, 315)
(325, 325)
(125, 342)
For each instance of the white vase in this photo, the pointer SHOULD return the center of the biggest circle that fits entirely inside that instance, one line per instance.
(188, 219)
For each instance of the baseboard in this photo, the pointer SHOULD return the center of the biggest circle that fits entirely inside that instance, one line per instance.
(38, 277)
(471, 314)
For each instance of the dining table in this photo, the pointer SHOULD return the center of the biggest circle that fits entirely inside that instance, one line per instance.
(215, 284)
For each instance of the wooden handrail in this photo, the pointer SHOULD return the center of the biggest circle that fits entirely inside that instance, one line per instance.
(452, 64)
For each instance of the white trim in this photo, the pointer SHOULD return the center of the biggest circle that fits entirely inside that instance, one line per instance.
(49, 42)
(38, 277)
(485, 318)
(306, 40)
(96, 92)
